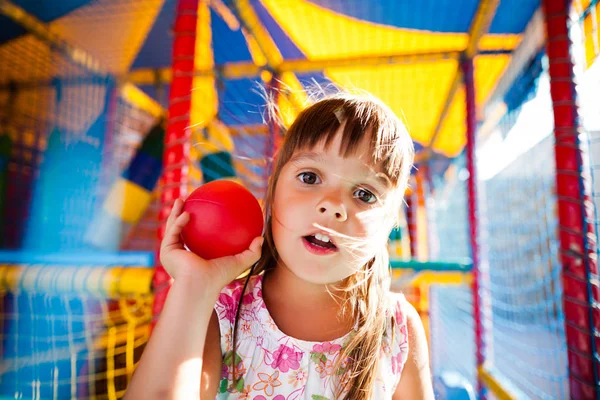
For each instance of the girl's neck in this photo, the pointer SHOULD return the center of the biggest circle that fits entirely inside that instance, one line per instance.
(283, 284)
(302, 309)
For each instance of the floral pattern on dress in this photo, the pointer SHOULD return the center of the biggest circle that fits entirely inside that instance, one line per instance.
(271, 365)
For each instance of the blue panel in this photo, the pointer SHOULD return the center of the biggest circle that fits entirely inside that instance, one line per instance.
(429, 15)
(157, 49)
(418, 147)
(228, 45)
(513, 16)
(525, 85)
(49, 10)
(240, 102)
(524, 88)
(44, 10)
(434, 15)
(9, 30)
(65, 193)
(144, 171)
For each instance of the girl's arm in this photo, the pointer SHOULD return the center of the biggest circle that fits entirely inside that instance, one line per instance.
(415, 382)
(212, 360)
(171, 365)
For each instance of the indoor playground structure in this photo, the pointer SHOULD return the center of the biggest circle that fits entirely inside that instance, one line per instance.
(112, 109)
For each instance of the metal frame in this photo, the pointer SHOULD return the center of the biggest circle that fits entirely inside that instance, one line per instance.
(238, 70)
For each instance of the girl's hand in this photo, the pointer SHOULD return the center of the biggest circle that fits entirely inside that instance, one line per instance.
(183, 264)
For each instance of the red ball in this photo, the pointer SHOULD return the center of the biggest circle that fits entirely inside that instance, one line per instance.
(224, 219)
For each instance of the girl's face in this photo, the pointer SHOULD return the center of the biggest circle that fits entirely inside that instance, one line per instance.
(330, 213)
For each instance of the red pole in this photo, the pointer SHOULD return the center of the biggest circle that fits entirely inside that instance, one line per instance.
(471, 122)
(411, 223)
(576, 233)
(423, 232)
(177, 138)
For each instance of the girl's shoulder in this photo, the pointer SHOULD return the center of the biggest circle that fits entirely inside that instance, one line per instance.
(398, 310)
(235, 287)
(230, 297)
(398, 306)
(396, 337)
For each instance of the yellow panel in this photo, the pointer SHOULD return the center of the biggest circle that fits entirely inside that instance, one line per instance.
(499, 42)
(452, 136)
(204, 96)
(217, 139)
(293, 100)
(141, 100)
(351, 37)
(591, 30)
(415, 92)
(127, 201)
(488, 70)
(111, 31)
(257, 55)
(346, 36)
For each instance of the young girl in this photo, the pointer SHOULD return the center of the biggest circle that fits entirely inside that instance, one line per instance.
(314, 317)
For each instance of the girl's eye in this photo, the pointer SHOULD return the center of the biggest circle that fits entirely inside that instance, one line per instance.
(365, 196)
(310, 178)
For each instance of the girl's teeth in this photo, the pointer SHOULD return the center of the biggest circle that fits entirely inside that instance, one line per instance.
(323, 238)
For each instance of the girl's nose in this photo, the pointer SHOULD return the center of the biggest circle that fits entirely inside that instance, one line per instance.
(333, 208)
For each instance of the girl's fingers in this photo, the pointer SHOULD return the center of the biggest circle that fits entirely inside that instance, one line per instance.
(239, 262)
(180, 222)
(175, 212)
(172, 234)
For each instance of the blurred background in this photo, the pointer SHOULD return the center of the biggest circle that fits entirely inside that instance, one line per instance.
(112, 109)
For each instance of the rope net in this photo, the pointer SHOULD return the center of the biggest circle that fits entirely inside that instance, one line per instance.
(74, 317)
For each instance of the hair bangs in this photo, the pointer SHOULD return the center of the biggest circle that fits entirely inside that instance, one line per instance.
(392, 149)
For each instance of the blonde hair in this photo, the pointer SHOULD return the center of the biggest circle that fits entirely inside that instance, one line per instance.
(365, 291)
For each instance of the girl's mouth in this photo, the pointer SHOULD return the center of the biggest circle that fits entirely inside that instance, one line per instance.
(319, 244)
